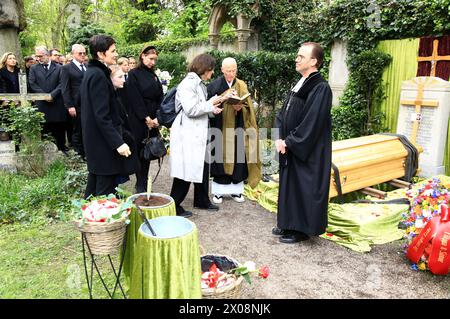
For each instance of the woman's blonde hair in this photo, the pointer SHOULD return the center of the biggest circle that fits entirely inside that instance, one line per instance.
(5, 57)
(122, 60)
(114, 68)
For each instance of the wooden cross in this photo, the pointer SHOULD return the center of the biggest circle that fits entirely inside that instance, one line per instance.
(434, 58)
(418, 102)
(24, 96)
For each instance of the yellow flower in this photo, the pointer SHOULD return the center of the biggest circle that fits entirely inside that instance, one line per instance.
(422, 266)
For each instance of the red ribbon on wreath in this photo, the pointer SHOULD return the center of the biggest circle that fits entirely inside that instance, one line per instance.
(437, 235)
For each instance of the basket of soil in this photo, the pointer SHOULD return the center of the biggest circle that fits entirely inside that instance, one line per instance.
(156, 205)
(217, 282)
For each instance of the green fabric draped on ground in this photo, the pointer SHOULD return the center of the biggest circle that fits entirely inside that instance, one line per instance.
(355, 226)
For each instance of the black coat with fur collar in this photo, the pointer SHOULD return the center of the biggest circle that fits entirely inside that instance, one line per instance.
(100, 121)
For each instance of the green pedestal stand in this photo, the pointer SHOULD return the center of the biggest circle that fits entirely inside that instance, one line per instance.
(167, 266)
(135, 222)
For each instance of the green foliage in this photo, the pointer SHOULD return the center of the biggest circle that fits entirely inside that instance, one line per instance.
(168, 45)
(27, 42)
(82, 35)
(363, 24)
(269, 165)
(234, 7)
(24, 199)
(192, 20)
(140, 26)
(175, 64)
(24, 123)
(268, 75)
(354, 117)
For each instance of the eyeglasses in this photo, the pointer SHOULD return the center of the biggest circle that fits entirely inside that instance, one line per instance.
(82, 53)
(301, 57)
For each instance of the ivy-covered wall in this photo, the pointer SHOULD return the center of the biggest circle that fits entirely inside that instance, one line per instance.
(285, 24)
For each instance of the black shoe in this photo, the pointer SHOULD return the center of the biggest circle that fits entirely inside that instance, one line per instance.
(293, 238)
(209, 207)
(185, 214)
(278, 231)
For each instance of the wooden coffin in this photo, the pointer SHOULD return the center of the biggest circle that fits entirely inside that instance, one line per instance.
(367, 161)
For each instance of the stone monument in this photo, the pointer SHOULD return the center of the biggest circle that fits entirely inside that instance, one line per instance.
(423, 119)
(339, 73)
(12, 22)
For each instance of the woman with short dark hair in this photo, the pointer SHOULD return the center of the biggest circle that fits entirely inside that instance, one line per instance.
(100, 120)
(189, 134)
(144, 96)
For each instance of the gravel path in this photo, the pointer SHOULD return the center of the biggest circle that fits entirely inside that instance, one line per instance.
(317, 268)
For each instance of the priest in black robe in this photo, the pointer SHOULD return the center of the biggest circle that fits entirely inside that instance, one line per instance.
(304, 123)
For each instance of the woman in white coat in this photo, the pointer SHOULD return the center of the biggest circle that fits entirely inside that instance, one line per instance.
(189, 134)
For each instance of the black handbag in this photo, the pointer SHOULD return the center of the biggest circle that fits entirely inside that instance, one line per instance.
(154, 147)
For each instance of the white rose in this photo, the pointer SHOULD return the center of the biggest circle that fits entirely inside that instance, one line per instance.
(250, 265)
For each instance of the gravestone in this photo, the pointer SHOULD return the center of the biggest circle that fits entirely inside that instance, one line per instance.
(8, 159)
(423, 118)
(338, 75)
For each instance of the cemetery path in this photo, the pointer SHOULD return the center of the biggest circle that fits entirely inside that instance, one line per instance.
(317, 268)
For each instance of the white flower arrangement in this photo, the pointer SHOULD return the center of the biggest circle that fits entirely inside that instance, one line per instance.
(164, 78)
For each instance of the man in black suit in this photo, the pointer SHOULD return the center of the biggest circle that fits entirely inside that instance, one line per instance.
(71, 77)
(45, 78)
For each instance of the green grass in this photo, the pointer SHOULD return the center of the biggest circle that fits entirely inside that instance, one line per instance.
(25, 199)
(45, 261)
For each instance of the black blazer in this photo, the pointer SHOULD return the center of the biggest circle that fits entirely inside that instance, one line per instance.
(42, 81)
(100, 121)
(71, 77)
(9, 84)
(144, 96)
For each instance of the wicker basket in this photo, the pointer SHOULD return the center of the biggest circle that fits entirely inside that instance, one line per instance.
(103, 238)
(231, 291)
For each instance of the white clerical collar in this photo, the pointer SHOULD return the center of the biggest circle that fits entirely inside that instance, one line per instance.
(299, 84)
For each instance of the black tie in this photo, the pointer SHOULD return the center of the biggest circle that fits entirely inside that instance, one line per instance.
(82, 68)
(126, 77)
(45, 67)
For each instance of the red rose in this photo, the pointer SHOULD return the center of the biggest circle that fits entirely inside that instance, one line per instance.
(264, 272)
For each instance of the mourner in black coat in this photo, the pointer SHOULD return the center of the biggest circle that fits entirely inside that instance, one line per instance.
(144, 96)
(9, 81)
(71, 77)
(305, 152)
(101, 123)
(46, 79)
(100, 120)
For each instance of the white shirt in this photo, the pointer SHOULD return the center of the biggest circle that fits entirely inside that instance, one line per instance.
(230, 84)
(78, 64)
(299, 84)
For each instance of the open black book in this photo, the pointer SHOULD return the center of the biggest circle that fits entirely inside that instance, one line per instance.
(236, 99)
